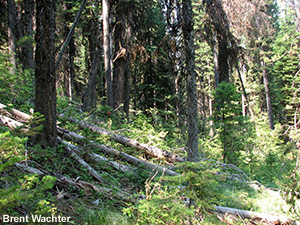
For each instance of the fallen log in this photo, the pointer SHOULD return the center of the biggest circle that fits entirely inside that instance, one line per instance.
(262, 217)
(15, 112)
(10, 123)
(91, 170)
(149, 150)
(79, 139)
(71, 136)
(88, 187)
(99, 158)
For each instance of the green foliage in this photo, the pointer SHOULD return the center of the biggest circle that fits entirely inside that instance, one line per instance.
(16, 85)
(101, 215)
(179, 199)
(235, 131)
(285, 70)
(20, 189)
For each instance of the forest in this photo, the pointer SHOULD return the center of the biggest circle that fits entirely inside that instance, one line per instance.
(149, 112)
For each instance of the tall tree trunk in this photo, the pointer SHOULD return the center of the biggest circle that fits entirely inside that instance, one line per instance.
(90, 95)
(219, 21)
(223, 58)
(107, 53)
(268, 98)
(27, 49)
(69, 71)
(216, 60)
(192, 113)
(120, 57)
(211, 122)
(45, 94)
(13, 31)
(128, 63)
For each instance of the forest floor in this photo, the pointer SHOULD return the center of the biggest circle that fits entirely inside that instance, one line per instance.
(100, 180)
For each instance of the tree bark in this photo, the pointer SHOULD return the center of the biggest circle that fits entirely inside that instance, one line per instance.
(219, 21)
(192, 111)
(107, 53)
(45, 81)
(128, 62)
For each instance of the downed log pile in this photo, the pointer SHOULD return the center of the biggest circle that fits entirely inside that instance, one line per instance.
(149, 150)
(86, 186)
(14, 118)
(79, 139)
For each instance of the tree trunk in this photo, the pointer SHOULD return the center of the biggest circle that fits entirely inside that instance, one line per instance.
(219, 21)
(79, 139)
(69, 71)
(69, 147)
(120, 57)
(128, 63)
(107, 53)
(90, 95)
(27, 49)
(268, 98)
(71, 32)
(14, 32)
(86, 186)
(10, 123)
(16, 113)
(216, 60)
(45, 93)
(192, 111)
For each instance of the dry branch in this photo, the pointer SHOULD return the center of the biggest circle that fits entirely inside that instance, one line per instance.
(149, 150)
(74, 137)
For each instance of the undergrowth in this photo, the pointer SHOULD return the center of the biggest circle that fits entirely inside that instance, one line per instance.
(159, 199)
